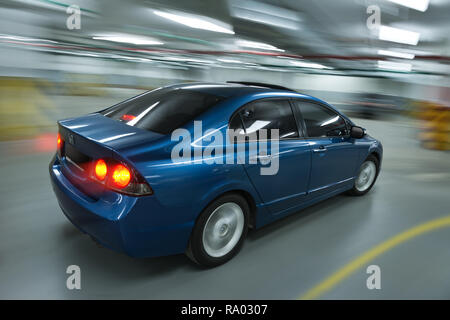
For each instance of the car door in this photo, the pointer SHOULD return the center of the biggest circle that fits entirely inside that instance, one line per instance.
(286, 184)
(334, 155)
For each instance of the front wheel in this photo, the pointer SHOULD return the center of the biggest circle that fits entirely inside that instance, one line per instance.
(367, 175)
(219, 231)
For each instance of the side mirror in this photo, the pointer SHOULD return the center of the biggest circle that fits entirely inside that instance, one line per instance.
(357, 132)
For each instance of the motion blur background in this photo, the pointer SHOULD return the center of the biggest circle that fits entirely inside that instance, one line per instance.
(324, 48)
(395, 82)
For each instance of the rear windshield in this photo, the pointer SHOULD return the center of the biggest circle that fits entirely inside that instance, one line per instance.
(162, 110)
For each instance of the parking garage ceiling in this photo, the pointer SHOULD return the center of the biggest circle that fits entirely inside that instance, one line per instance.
(318, 36)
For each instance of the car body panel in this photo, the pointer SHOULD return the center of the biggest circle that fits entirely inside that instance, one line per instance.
(290, 184)
(334, 161)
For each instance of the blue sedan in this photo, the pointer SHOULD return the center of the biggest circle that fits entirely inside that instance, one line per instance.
(189, 168)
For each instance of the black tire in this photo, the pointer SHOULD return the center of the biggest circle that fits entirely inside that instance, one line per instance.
(354, 191)
(196, 249)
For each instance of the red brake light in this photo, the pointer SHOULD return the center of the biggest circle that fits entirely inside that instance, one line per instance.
(58, 141)
(127, 117)
(121, 176)
(101, 169)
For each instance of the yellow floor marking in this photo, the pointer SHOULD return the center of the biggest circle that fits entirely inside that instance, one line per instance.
(371, 254)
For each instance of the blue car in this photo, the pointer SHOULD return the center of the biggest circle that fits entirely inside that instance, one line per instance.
(189, 168)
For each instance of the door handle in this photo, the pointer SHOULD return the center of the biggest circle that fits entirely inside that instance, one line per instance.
(320, 149)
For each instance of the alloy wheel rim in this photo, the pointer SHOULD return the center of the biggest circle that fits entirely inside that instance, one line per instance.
(223, 229)
(366, 176)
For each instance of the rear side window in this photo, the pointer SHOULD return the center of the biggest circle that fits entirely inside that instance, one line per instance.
(321, 121)
(162, 110)
(269, 114)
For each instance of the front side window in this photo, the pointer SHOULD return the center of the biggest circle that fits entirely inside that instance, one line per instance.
(321, 121)
(162, 110)
(267, 115)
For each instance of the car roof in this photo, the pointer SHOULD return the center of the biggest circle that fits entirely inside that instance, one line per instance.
(228, 90)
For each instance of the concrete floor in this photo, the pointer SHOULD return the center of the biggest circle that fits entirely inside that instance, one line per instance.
(281, 261)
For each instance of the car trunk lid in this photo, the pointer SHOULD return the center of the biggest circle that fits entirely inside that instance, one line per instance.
(92, 137)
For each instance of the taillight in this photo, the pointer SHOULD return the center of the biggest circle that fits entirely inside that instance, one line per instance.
(59, 144)
(119, 177)
(101, 169)
(58, 141)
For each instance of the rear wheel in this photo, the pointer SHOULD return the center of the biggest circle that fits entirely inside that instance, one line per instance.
(219, 231)
(367, 175)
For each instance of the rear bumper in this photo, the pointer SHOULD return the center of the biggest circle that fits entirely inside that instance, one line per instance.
(137, 226)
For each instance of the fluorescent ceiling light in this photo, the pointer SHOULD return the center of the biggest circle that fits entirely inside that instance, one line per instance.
(268, 14)
(309, 65)
(421, 5)
(229, 60)
(195, 22)
(257, 45)
(129, 39)
(134, 58)
(396, 54)
(394, 66)
(185, 59)
(18, 38)
(398, 35)
(415, 52)
(84, 54)
(266, 19)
